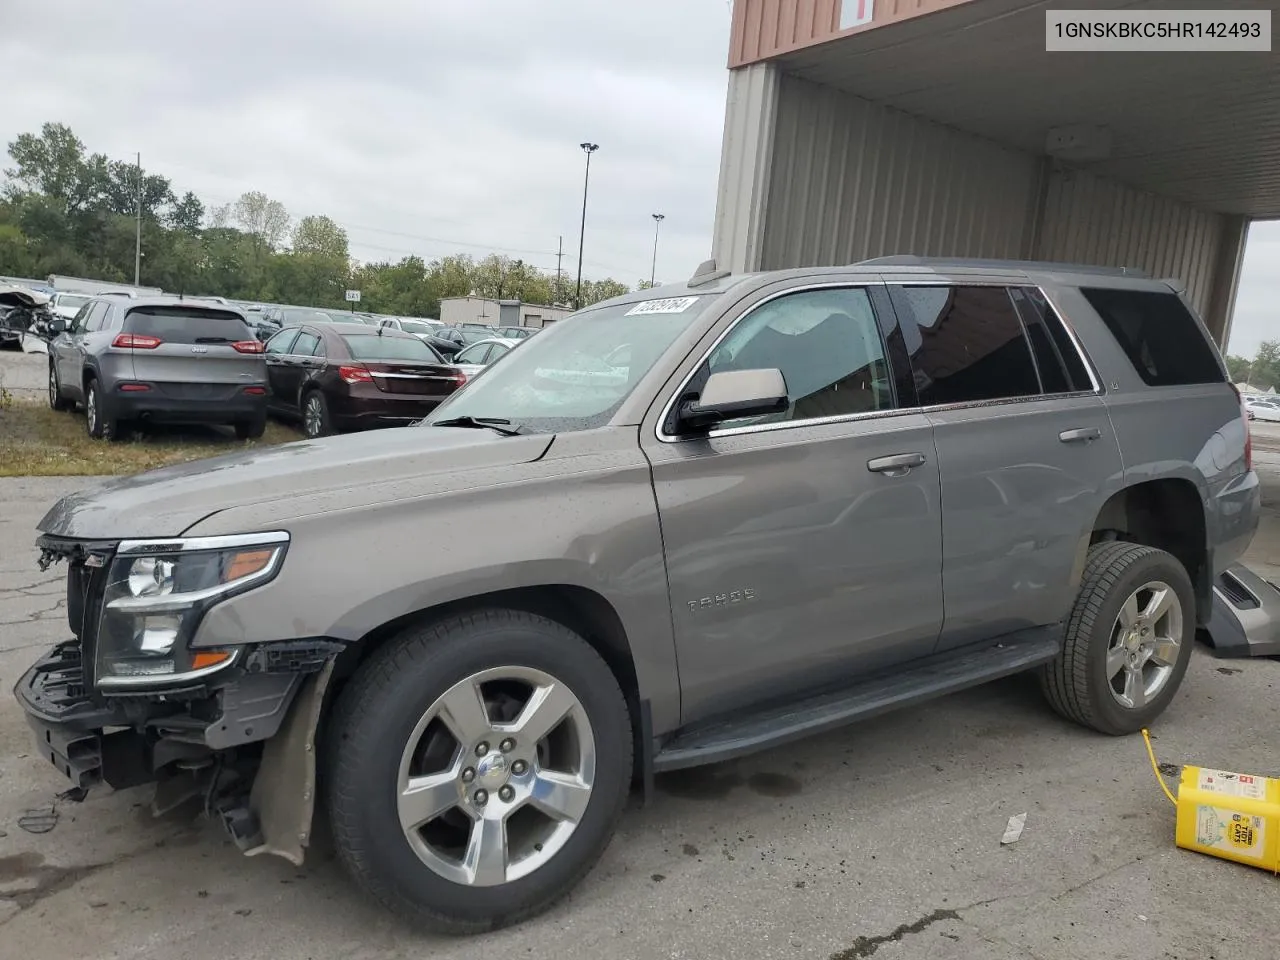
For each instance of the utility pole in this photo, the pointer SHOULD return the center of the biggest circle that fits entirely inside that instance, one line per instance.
(588, 149)
(559, 296)
(657, 222)
(137, 235)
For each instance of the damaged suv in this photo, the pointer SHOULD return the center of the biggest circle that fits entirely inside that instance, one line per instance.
(677, 527)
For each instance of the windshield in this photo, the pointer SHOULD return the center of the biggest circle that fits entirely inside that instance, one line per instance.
(573, 376)
(67, 301)
(375, 347)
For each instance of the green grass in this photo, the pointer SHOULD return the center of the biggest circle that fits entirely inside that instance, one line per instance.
(38, 442)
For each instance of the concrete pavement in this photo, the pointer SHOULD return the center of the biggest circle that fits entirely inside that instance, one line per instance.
(880, 840)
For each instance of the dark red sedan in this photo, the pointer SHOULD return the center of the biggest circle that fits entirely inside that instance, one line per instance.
(349, 376)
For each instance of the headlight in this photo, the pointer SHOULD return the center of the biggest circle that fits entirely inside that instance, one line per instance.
(156, 594)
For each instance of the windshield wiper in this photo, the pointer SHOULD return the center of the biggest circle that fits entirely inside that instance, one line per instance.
(213, 340)
(497, 424)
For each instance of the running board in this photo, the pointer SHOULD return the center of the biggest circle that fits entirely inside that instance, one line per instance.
(724, 739)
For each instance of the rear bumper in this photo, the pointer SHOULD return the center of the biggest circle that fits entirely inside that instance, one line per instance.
(1245, 618)
(158, 404)
(386, 410)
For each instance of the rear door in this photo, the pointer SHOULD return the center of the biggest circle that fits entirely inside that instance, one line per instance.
(402, 364)
(189, 352)
(1025, 447)
(277, 357)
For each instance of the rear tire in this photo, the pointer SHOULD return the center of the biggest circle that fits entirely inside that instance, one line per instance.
(315, 415)
(554, 788)
(1128, 639)
(56, 400)
(251, 429)
(99, 419)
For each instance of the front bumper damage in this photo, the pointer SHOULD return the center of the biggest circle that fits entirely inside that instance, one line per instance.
(244, 743)
(1245, 619)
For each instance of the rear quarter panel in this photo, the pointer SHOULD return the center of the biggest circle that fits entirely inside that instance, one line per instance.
(1191, 432)
(583, 515)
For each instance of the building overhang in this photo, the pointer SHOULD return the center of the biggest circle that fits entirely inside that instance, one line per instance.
(1201, 128)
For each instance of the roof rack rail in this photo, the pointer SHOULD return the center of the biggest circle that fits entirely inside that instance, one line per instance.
(905, 260)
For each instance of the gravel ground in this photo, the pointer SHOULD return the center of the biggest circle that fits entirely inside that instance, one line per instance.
(883, 839)
(25, 375)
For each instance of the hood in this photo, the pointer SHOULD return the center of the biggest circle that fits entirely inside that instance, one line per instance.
(168, 501)
(13, 296)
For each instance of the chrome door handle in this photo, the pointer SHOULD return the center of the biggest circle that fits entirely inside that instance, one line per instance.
(897, 465)
(1080, 435)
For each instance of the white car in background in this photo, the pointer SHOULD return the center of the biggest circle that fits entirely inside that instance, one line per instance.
(471, 360)
(67, 305)
(1263, 408)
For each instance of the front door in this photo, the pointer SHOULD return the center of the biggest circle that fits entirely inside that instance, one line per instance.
(803, 549)
(278, 370)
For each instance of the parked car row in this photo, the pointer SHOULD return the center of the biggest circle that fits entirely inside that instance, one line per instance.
(141, 360)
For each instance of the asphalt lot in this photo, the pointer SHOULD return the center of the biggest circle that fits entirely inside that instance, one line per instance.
(883, 839)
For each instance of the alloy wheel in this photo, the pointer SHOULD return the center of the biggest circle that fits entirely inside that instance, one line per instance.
(313, 419)
(53, 386)
(496, 776)
(91, 407)
(1145, 642)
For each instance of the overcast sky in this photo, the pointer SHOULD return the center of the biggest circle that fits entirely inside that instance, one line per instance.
(425, 126)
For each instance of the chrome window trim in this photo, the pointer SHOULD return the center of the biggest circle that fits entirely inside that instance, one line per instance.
(186, 544)
(1097, 390)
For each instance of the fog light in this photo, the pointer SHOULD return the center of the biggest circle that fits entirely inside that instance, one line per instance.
(151, 577)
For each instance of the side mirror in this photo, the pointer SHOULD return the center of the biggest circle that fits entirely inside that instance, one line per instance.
(58, 326)
(736, 393)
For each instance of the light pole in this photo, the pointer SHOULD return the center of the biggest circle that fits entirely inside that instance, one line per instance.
(588, 149)
(657, 222)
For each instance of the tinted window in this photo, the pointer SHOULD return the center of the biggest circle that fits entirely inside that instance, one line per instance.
(281, 342)
(97, 311)
(174, 324)
(969, 345)
(1057, 359)
(1162, 339)
(473, 354)
(305, 345)
(371, 346)
(827, 345)
(81, 318)
(497, 351)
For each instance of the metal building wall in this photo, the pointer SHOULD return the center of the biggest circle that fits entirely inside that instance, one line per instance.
(850, 180)
(1090, 219)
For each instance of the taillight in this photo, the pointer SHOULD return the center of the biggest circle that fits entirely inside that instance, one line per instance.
(355, 375)
(459, 377)
(137, 341)
(248, 346)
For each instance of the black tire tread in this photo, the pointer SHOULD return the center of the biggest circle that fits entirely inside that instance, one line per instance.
(419, 644)
(1065, 680)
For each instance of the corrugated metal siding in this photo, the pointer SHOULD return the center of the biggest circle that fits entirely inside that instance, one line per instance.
(768, 28)
(852, 180)
(745, 159)
(1090, 219)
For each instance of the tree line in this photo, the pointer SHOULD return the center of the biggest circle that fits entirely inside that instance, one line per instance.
(1263, 371)
(66, 211)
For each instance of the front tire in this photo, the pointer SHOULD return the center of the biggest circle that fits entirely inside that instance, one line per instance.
(56, 400)
(477, 769)
(1128, 639)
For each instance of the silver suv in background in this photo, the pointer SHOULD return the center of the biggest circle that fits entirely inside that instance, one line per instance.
(158, 359)
(672, 529)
